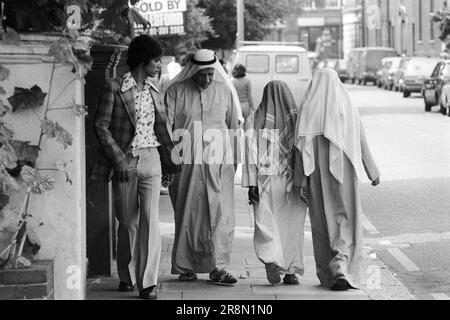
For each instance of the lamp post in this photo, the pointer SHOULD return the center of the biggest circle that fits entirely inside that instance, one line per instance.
(403, 15)
(240, 23)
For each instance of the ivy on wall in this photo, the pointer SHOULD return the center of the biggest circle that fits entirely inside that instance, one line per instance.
(18, 170)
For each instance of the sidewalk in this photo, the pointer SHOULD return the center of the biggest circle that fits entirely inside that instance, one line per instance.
(379, 282)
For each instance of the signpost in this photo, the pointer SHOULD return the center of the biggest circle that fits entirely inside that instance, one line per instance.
(167, 17)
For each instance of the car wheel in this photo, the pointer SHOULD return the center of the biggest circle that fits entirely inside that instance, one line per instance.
(443, 110)
(406, 94)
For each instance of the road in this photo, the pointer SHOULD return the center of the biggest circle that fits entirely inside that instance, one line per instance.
(407, 218)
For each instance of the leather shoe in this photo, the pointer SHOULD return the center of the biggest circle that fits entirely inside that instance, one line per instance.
(125, 287)
(148, 293)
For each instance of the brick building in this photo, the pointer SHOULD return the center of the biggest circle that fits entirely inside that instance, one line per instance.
(404, 25)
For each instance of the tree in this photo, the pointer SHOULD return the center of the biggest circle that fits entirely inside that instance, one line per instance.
(198, 29)
(443, 17)
(51, 15)
(258, 15)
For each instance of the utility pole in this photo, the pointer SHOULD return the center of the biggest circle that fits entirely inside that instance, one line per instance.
(363, 22)
(240, 36)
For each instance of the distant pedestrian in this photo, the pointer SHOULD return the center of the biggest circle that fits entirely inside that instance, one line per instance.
(173, 69)
(244, 89)
(279, 210)
(334, 155)
(136, 154)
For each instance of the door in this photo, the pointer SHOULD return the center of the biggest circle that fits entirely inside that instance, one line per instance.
(109, 61)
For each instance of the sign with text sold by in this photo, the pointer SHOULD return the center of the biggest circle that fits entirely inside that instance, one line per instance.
(167, 17)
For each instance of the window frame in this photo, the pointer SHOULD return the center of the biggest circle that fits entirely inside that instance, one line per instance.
(290, 56)
(257, 55)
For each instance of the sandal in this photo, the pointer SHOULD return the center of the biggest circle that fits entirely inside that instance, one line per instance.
(221, 277)
(273, 273)
(290, 279)
(188, 277)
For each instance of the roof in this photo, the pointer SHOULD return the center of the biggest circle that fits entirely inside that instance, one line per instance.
(373, 48)
(426, 58)
(392, 58)
(271, 48)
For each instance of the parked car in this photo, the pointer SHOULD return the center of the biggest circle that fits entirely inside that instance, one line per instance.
(341, 69)
(364, 63)
(353, 64)
(265, 63)
(445, 98)
(418, 69)
(378, 77)
(398, 80)
(371, 62)
(390, 67)
(435, 88)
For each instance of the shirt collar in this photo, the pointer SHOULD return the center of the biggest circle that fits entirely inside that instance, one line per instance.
(129, 82)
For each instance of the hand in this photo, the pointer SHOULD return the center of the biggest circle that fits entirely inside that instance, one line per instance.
(122, 171)
(376, 182)
(167, 180)
(253, 196)
(304, 194)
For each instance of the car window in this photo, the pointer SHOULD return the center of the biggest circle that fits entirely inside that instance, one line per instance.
(404, 64)
(395, 64)
(286, 64)
(421, 67)
(436, 71)
(257, 63)
(446, 71)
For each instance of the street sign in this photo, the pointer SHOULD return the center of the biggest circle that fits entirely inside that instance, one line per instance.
(167, 17)
(373, 17)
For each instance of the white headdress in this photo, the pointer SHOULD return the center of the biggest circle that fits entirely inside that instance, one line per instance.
(326, 110)
(204, 59)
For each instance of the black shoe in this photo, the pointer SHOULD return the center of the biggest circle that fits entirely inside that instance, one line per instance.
(290, 279)
(125, 287)
(149, 293)
(273, 273)
(341, 284)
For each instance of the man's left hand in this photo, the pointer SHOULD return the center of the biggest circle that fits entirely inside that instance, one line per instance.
(167, 180)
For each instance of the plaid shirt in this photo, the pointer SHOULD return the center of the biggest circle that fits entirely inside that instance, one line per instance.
(115, 125)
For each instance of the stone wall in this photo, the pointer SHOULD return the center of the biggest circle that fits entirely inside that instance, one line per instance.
(62, 210)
